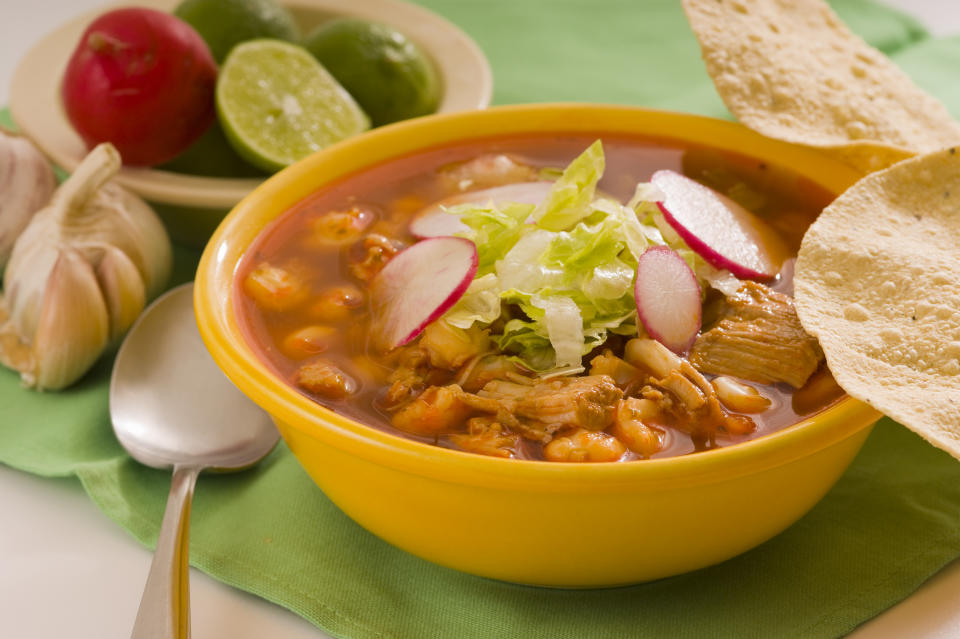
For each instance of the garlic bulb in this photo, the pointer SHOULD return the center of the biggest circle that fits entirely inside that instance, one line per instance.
(79, 275)
(26, 184)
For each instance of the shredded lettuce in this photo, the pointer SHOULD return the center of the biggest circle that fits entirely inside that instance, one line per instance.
(495, 229)
(480, 303)
(555, 279)
(561, 317)
(569, 200)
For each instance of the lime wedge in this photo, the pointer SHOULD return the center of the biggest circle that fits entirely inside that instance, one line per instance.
(277, 104)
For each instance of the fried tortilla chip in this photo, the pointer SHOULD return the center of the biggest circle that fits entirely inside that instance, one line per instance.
(878, 284)
(790, 69)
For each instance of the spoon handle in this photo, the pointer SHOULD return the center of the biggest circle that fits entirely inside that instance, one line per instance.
(165, 606)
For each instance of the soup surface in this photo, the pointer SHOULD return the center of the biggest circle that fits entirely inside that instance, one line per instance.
(304, 300)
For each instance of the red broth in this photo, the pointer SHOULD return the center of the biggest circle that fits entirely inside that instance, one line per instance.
(390, 193)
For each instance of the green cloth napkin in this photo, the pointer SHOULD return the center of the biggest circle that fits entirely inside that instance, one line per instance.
(891, 521)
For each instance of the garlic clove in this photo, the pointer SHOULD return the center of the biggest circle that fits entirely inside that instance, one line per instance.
(74, 326)
(123, 290)
(25, 278)
(27, 182)
(14, 353)
(150, 246)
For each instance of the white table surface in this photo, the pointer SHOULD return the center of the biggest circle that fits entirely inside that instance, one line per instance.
(68, 571)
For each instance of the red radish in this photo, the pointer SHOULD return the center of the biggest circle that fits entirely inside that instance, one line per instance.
(143, 80)
(721, 231)
(434, 221)
(668, 298)
(417, 286)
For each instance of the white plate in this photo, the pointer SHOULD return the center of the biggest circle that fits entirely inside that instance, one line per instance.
(35, 92)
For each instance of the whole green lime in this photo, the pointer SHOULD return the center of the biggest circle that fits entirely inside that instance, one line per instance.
(224, 24)
(212, 156)
(387, 74)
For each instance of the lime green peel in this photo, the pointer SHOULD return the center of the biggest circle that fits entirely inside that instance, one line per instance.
(223, 24)
(390, 77)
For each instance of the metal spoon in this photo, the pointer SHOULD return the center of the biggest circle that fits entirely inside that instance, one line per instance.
(172, 407)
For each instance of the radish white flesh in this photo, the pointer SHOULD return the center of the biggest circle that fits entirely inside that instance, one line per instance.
(417, 286)
(434, 221)
(721, 231)
(668, 298)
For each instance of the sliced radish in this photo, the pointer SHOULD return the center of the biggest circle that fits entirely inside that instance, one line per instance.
(417, 286)
(434, 221)
(668, 298)
(721, 231)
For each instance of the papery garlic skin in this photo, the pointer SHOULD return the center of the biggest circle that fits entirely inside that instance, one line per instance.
(80, 274)
(26, 183)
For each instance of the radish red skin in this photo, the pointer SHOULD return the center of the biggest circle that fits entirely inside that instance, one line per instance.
(668, 298)
(143, 80)
(418, 286)
(761, 249)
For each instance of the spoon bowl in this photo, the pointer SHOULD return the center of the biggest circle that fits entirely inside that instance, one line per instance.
(171, 407)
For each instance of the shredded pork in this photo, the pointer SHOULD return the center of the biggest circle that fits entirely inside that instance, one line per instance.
(544, 408)
(758, 338)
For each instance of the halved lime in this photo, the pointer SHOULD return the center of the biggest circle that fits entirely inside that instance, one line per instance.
(277, 104)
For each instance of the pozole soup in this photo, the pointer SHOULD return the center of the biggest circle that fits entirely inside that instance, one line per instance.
(559, 298)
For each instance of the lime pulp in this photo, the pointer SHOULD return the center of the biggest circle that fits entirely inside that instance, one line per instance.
(277, 104)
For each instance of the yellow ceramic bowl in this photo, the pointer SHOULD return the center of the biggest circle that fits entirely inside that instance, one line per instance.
(569, 525)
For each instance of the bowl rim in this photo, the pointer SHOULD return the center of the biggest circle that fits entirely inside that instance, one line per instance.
(461, 65)
(219, 327)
